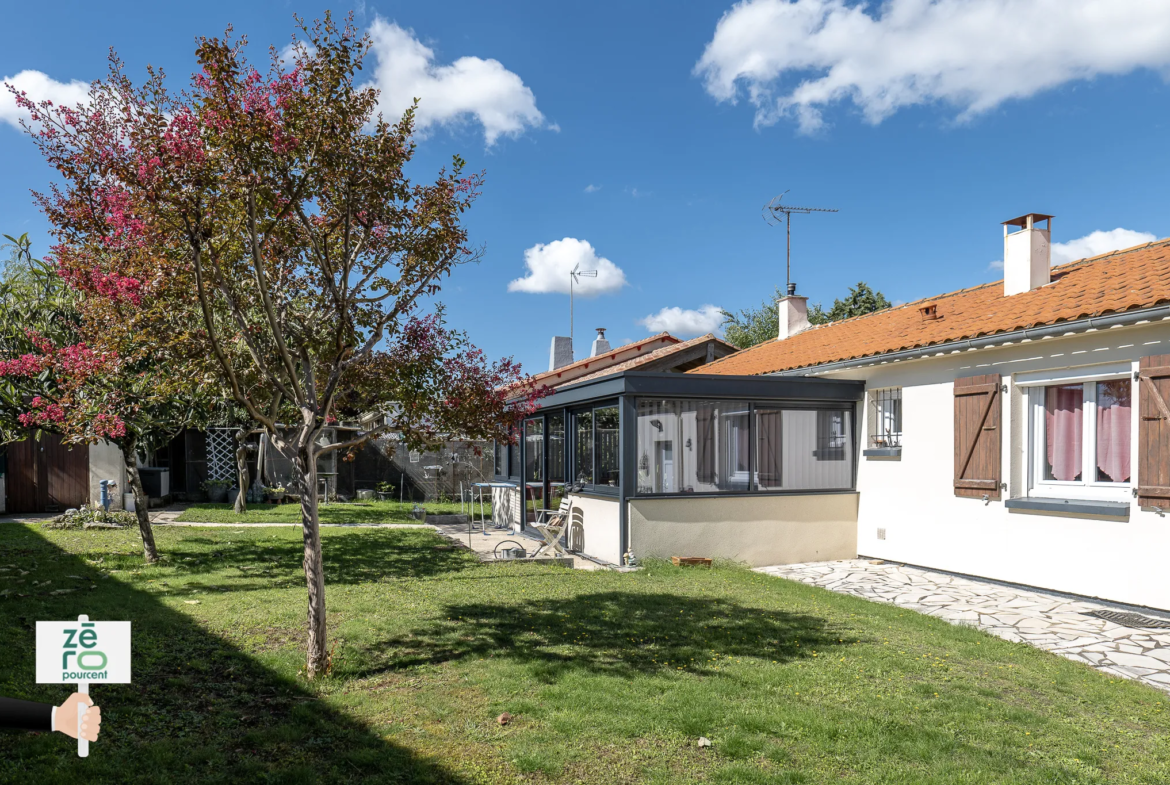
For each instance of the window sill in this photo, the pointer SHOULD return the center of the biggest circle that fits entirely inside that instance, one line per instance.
(1098, 509)
(892, 453)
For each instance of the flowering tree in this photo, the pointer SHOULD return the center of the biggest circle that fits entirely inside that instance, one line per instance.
(51, 380)
(265, 218)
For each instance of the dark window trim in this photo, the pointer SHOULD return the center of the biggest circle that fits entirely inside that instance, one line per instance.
(571, 413)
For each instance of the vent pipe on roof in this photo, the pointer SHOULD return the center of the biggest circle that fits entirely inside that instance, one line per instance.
(560, 353)
(793, 314)
(1027, 254)
(600, 345)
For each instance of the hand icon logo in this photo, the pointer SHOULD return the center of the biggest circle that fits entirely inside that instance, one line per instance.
(65, 719)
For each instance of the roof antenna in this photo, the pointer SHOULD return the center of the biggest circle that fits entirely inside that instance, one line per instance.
(575, 276)
(775, 213)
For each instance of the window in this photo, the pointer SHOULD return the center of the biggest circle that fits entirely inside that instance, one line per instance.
(583, 448)
(534, 450)
(501, 459)
(885, 418)
(1081, 434)
(556, 448)
(804, 449)
(606, 441)
(514, 459)
(700, 446)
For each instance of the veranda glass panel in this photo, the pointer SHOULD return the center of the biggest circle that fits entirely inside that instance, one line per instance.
(534, 450)
(803, 449)
(686, 446)
(1063, 431)
(583, 447)
(605, 445)
(501, 459)
(514, 458)
(1113, 424)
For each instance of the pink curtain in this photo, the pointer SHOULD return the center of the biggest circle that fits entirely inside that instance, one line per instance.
(1113, 430)
(1063, 423)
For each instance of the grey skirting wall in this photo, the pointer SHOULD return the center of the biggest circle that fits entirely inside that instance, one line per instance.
(756, 530)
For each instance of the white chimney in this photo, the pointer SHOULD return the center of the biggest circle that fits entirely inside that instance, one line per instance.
(793, 313)
(560, 353)
(1027, 254)
(600, 345)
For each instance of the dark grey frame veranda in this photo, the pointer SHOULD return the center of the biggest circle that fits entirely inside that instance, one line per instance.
(623, 390)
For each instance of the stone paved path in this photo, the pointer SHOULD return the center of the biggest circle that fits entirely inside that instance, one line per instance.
(1048, 621)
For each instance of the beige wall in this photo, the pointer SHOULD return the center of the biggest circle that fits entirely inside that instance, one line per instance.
(757, 530)
(594, 528)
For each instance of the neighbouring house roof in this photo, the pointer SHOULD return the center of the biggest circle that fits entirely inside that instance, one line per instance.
(682, 356)
(590, 365)
(1130, 279)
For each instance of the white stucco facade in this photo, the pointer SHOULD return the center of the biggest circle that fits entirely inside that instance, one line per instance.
(911, 498)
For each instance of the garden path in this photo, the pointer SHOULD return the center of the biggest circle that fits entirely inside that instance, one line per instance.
(1058, 623)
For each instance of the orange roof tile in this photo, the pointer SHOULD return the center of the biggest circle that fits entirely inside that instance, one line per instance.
(657, 354)
(1137, 277)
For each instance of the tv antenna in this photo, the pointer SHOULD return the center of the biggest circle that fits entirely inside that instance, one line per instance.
(775, 213)
(575, 276)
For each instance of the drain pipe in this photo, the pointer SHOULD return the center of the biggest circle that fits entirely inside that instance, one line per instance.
(1123, 319)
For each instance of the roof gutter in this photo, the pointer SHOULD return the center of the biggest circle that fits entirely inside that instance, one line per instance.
(1124, 319)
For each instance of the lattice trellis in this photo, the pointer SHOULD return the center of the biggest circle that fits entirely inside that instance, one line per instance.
(221, 454)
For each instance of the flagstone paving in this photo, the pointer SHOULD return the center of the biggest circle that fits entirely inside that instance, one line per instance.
(1053, 622)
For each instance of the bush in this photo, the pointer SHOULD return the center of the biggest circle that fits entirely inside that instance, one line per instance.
(77, 519)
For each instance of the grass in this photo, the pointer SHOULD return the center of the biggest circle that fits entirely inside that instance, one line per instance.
(351, 512)
(610, 678)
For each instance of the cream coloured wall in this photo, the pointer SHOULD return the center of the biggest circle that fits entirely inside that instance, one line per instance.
(756, 530)
(105, 463)
(913, 500)
(594, 528)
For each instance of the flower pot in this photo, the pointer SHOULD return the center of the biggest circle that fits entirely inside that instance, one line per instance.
(217, 494)
(276, 498)
(386, 497)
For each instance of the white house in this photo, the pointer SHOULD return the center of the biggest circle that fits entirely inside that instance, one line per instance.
(1018, 430)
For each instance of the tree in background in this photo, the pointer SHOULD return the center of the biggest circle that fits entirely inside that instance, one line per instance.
(269, 237)
(752, 326)
(53, 381)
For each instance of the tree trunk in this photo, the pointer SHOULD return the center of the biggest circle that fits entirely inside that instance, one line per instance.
(241, 506)
(317, 658)
(141, 502)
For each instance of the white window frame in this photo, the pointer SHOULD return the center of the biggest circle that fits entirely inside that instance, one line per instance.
(733, 437)
(1033, 386)
(876, 417)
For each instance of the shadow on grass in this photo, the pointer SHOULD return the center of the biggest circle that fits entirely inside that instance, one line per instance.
(351, 557)
(619, 633)
(199, 709)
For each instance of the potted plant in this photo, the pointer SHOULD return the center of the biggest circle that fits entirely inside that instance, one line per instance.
(217, 490)
(385, 491)
(276, 494)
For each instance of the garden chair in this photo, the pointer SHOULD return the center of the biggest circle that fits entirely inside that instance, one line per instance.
(551, 525)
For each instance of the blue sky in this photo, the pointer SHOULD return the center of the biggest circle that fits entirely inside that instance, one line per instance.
(651, 134)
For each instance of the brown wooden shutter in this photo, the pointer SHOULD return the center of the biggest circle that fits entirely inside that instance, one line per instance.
(977, 436)
(1154, 431)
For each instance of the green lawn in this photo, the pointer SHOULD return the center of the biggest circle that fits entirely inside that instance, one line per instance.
(353, 512)
(611, 678)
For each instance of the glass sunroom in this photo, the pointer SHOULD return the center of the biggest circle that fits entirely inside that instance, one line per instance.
(719, 464)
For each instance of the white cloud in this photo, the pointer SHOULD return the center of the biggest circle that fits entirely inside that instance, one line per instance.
(549, 265)
(39, 87)
(469, 88)
(685, 321)
(1098, 243)
(591, 188)
(1092, 244)
(793, 59)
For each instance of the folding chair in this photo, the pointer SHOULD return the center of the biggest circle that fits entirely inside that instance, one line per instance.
(551, 525)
